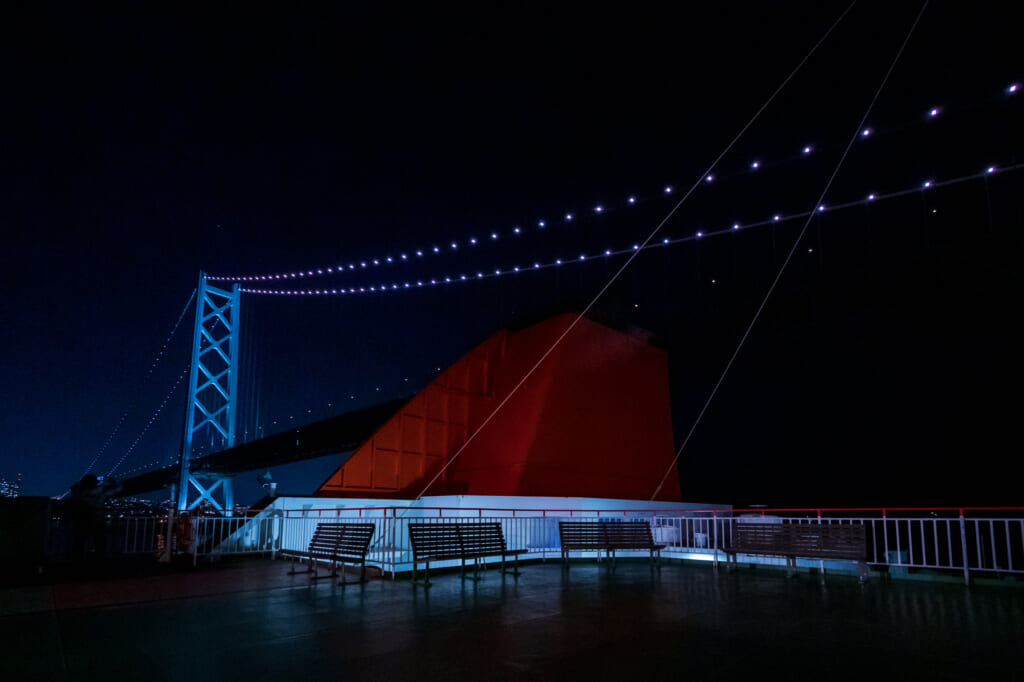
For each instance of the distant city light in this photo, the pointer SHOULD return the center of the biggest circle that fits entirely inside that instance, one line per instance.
(933, 112)
(710, 178)
(632, 200)
(927, 184)
(990, 169)
(871, 197)
(598, 209)
(700, 234)
(808, 149)
(735, 226)
(668, 189)
(865, 132)
(775, 218)
(755, 165)
(1012, 89)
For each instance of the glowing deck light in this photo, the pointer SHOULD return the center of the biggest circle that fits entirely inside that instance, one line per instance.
(437, 249)
(755, 165)
(447, 279)
(362, 264)
(558, 261)
(866, 132)
(607, 252)
(536, 266)
(665, 240)
(419, 253)
(516, 230)
(668, 189)
(582, 257)
(700, 234)
(319, 272)
(735, 226)
(376, 262)
(404, 257)
(497, 272)
(632, 200)
(636, 247)
(871, 197)
(455, 245)
(472, 240)
(598, 209)
(1012, 89)
(494, 235)
(388, 259)
(821, 208)
(479, 275)
(808, 149)
(568, 216)
(710, 178)
(515, 268)
(990, 169)
(927, 184)
(932, 113)
(463, 278)
(775, 218)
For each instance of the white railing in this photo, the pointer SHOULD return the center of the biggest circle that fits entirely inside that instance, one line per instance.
(901, 541)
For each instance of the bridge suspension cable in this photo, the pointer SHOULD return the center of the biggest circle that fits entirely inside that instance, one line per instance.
(149, 373)
(439, 247)
(585, 257)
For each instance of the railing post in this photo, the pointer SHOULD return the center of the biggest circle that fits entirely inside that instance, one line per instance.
(821, 562)
(714, 533)
(963, 547)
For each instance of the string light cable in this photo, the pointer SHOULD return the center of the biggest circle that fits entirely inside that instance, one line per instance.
(572, 325)
(149, 373)
(595, 256)
(858, 132)
(441, 247)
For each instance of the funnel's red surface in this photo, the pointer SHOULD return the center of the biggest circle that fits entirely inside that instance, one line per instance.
(592, 421)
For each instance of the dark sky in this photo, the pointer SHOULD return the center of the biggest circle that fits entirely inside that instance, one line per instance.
(138, 149)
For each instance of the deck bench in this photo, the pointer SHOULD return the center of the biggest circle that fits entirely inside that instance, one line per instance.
(335, 543)
(459, 541)
(607, 536)
(803, 540)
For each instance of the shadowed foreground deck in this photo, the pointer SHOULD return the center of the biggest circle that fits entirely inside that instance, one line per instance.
(632, 623)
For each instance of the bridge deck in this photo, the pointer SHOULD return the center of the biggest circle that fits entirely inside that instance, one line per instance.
(249, 620)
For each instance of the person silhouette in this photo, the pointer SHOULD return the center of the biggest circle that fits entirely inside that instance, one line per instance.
(89, 519)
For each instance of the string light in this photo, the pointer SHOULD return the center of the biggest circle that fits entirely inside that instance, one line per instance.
(151, 421)
(667, 241)
(601, 208)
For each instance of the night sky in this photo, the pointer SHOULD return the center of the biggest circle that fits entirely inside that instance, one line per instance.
(137, 150)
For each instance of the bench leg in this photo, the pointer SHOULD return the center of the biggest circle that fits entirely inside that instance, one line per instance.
(426, 574)
(515, 565)
(476, 569)
(296, 559)
(362, 575)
